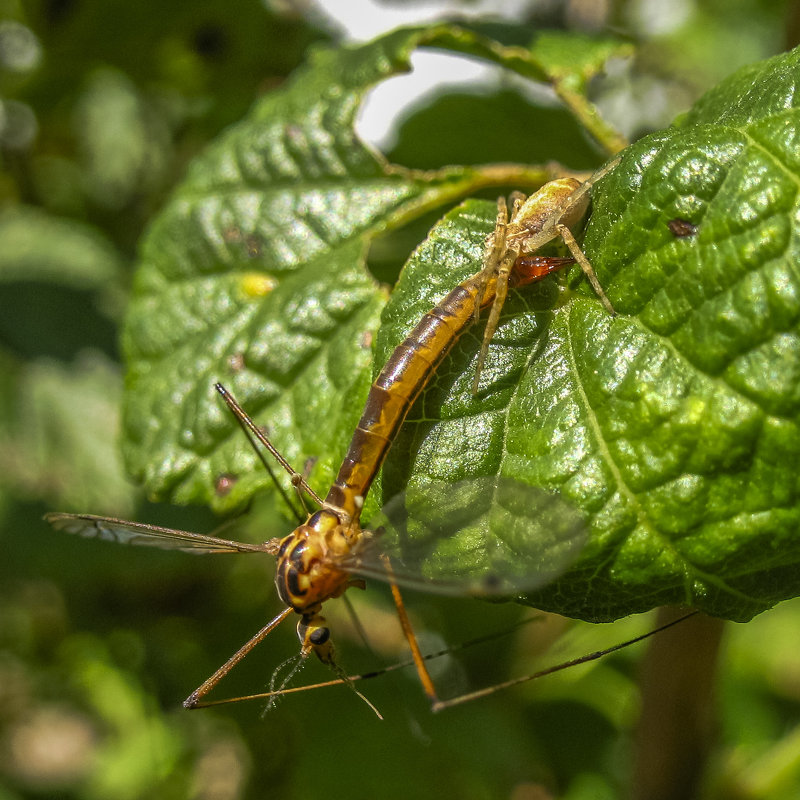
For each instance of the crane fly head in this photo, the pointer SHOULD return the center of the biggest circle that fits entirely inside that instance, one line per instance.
(307, 572)
(315, 636)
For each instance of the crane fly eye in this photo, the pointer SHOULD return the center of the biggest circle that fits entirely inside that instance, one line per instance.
(319, 636)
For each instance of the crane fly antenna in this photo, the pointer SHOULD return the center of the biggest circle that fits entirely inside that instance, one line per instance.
(298, 515)
(377, 673)
(464, 698)
(250, 428)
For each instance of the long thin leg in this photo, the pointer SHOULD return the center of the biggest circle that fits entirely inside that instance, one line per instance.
(248, 425)
(492, 252)
(499, 267)
(377, 672)
(501, 293)
(465, 698)
(588, 270)
(408, 632)
(192, 701)
(439, 705)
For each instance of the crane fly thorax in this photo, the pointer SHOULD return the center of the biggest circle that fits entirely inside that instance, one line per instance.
(307, 574)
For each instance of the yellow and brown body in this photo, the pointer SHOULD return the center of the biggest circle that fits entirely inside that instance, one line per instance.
(307, 575)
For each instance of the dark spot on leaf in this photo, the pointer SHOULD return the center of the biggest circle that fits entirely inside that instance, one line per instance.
(294, 133)
(224, 483)
(254, 246)
(235, 362)
(681, 228)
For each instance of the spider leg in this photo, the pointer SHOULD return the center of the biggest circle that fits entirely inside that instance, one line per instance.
(492, 252)
(501, 270)
(585, 265)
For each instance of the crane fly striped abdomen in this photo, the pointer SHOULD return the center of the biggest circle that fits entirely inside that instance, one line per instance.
(522, 536)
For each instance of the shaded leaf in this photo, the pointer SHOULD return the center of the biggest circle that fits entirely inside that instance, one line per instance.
(491, 536)
(44, 248)
(574, 58)
(48, 449)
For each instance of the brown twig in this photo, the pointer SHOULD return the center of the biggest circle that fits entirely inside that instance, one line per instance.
(677, 723)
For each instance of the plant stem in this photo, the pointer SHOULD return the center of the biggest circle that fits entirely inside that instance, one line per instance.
(608, 137)
(677, 723)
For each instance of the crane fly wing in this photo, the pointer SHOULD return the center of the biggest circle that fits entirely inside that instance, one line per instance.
(481, 536)
(124, 532)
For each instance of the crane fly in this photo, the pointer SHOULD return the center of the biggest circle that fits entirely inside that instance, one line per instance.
(329, 552)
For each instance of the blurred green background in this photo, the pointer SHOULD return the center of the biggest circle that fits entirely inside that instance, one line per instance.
(102, 105)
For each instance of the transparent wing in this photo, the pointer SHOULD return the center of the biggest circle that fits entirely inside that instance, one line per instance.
(482, 536)
(124, 532)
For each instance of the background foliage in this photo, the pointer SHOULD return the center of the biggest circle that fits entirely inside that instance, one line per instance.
(103, 107)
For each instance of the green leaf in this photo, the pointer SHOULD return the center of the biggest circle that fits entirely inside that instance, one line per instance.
(574, 58)
(125, 144)
(200, 60)
(44, 248)
(674, 426)
(49, 266)
(670, 428)
(458, 140)
(254, 275)
(47, 448)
